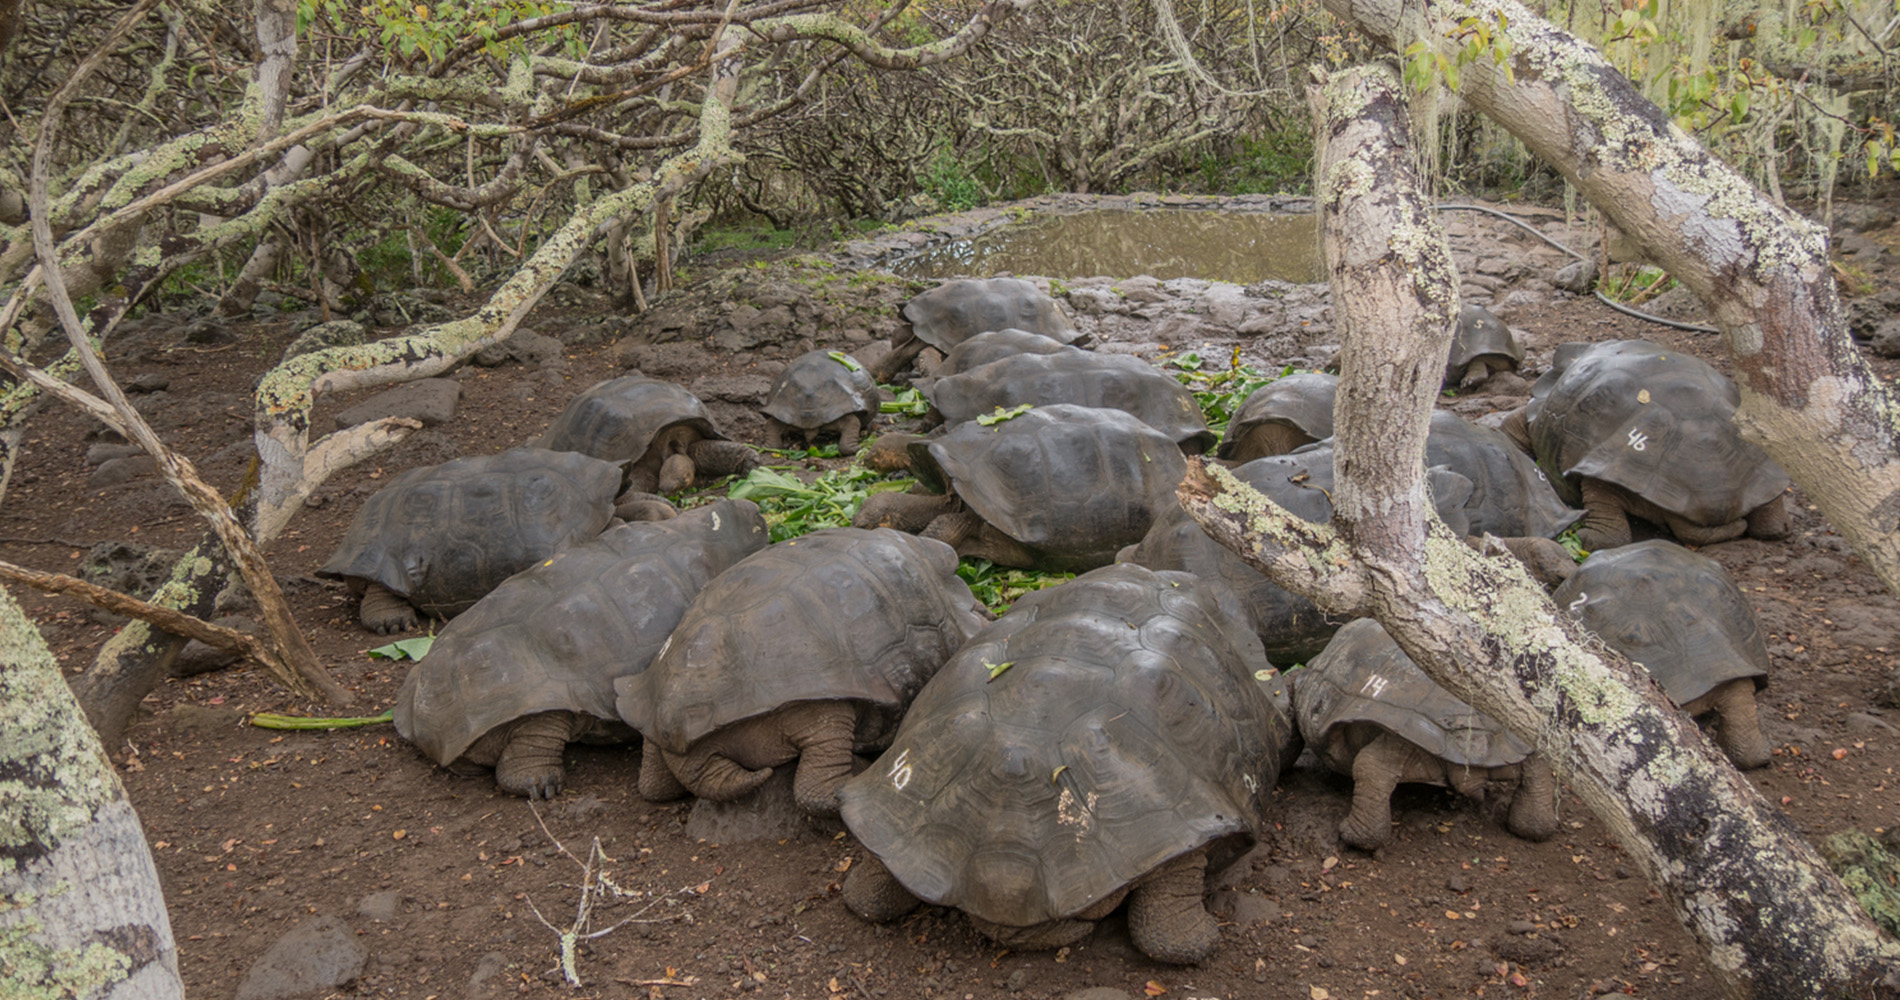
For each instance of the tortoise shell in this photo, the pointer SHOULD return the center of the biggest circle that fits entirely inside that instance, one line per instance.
(1510, 495)
(1480, 333)
(996, 345)
(555, 636)
(1303, 400)
(1291, 627)
(1073, 483)
(445, 535)
(1126, 729)
(1083, 378)
(957, 310)
(1363, 676)
(617, 419)
(1677, 613)
(844, 613)
(817, 388)
(1656, 422)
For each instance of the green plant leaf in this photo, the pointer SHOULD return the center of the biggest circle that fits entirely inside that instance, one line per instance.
(404, 649)
(271, 720)
(845, 359)
(1000, 414)
(996, 669)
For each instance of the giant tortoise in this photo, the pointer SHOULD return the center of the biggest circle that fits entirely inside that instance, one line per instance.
(1481, 346)
(956, 310)
(662, 434)
(820, 392)
(1056, 487)
(1630, 428)
(807, 651)
(1286, 413)
(1083, 378)
(439, 537)
(1106, 740)
(531, 667)
(1368, 711)
(1682, 617)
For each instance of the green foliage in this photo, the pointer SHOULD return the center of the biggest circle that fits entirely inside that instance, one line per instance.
(909, 402)
(1475, 39)
(1277, 162)
(752, 235)
(1634, 285)
(404, 649)
(999, 587)
(1871, 871)
(793, 507)
(429, 31)
(1571, 545)
(271, 720)
(950, 183)
(1220, 393)
(999, 414)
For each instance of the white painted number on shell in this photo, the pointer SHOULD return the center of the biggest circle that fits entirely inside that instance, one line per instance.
(1373, 687)
(715, 520)
(1638, 440)
(900, 770)
(1577, 605)
(1252, 783)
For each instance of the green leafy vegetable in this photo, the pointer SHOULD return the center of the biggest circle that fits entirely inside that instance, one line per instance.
(793, 507)
(999, 414)
(996, 669)
(846, 360)
(998, 587)
(1220, 393)
(909, 402)
(1571, 545)
(404, 649)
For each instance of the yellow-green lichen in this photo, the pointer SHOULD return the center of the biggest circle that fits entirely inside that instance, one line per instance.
(37, 972)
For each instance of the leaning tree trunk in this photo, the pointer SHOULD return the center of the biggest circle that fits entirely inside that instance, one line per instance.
(1773, 920)
(81, 910)
(1808, 397)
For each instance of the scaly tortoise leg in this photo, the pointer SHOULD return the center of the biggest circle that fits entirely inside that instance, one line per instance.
(383, 611)
(1771, 521)
(657, 781)
(1533, 814)
(872, 892)
(848, 435)
(710, 774)
(822, 732)
(1606, 523)
(722, 458)
(1166, 917)
(530, 763)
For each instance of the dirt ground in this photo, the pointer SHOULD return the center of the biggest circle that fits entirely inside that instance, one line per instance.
(439, 877)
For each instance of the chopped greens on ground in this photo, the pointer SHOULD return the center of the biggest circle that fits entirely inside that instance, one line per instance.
(271, 720)
(999, 586)
(1220, 393)
(793, 507)
(909, 402)
(404, 649)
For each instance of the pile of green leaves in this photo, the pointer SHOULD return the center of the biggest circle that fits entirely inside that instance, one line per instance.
(1220, 393)
(909, 402)
(998, 587)
(793, 507)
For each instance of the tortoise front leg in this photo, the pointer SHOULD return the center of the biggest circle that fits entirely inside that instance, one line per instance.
(1166, 917)
(1533, 814)
(1376, 770)
(954, 528)
(872, 892)
(383, 611)
(657, 781)
(1606, 523)
(1267, 439)
(905, 347)
(1738, 724)
(1517, 427)
(1548, 562)
(722, 458)
(1771, 521)
(774, 434)
(822, 731)
(530, 763)
(848, 431)
(710, 774)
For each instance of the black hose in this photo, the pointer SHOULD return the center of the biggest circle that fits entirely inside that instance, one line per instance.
(1605, 299)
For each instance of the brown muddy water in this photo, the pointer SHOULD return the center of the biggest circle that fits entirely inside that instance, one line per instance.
(1240, 247)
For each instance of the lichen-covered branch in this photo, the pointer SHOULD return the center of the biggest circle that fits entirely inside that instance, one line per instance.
(1808, 396)
(1774, 921)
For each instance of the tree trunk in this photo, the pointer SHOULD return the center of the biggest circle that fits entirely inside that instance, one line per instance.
(81, 910)
(1773, 919)
(1808, 397)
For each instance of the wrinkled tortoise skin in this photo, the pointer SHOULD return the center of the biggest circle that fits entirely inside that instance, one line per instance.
(1128, 732)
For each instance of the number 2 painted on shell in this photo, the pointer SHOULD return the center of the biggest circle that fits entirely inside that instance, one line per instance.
(900, 770)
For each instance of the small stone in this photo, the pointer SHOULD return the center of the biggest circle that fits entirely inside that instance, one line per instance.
(1885, 340)
(104, 451)
(122, 470)
(431, 401)
(1017, 980)
(1520, 927)
(1456, 883)
(207, 331)
(336, 333)
(380, 906)
(1577, 278)
(318, 954)
(148, 382)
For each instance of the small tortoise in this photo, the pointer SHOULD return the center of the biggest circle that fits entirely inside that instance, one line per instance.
(821, 392)
(1282, 415)
(1368, 711)
(957, 310)
(531, 667)
(807, 651)
(438, 538)
(1292, 628)
(1681, 616)
(1056, 487)
(1106, 740)
(1629, 428)
(1481, 347)
(1083, 378)
(659, 431)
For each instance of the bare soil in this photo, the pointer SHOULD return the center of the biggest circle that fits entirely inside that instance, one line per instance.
(440, 877)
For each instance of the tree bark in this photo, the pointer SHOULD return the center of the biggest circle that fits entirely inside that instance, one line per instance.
(1808, 397)
(1774, 921)
(81, 910)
